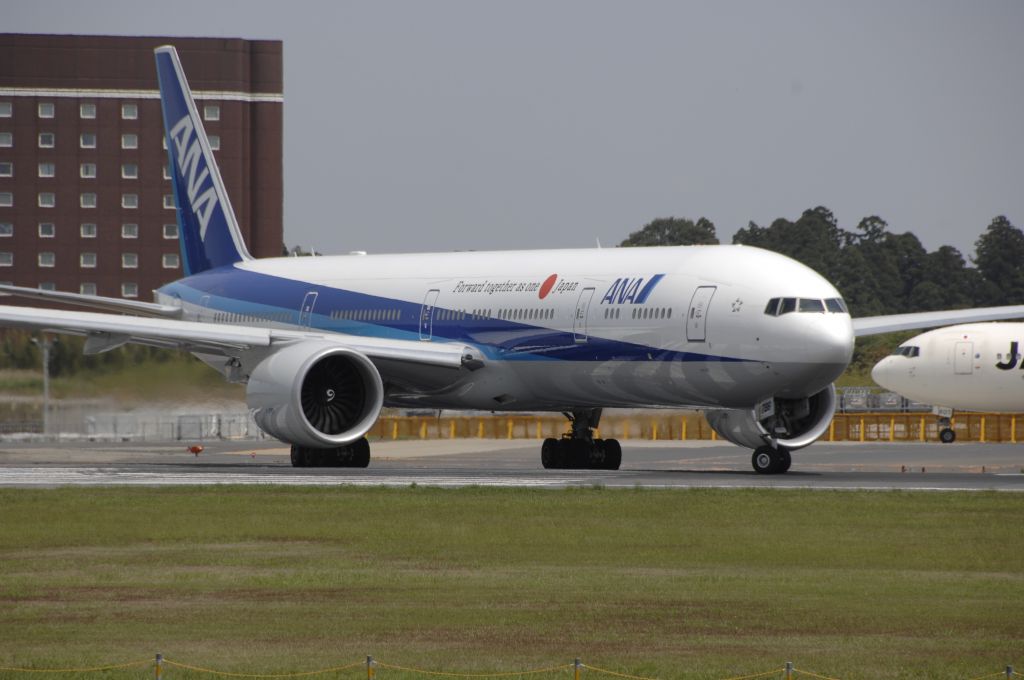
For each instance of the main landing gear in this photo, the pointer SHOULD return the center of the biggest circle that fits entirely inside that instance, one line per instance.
(578, 450)
(771, 460)
(354, 455)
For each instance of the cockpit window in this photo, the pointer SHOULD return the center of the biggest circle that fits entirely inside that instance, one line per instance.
(907, 351)
(812, 305)
(780, 306)
(836, 305)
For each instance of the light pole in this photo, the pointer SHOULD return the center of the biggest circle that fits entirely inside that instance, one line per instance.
(45, 343)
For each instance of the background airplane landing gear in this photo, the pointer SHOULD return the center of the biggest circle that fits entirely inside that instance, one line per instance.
(946, 433)
(768, 460)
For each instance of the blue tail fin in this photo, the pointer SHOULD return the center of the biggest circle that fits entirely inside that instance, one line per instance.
(207, 226)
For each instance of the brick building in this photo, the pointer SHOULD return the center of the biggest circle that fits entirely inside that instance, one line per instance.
(86, 203)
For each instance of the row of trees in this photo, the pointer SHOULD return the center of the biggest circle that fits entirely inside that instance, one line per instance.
(877, 271)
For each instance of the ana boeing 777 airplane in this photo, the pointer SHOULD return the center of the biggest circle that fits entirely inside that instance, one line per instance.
(753, 338)
(975, 367)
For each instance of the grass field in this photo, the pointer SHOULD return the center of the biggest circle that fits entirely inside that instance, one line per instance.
(668, 584)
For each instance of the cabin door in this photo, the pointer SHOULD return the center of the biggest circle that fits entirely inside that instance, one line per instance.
(697, 317)
(579, 322)
(427, 314)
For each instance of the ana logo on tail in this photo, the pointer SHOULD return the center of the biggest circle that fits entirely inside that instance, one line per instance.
(194, 171)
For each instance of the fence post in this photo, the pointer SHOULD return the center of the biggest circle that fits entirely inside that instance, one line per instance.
(789, 670)
(577, 666)
(159, 665)
(370, 668)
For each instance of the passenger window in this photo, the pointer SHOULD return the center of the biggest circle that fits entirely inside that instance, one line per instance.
(809, 305)
(787, 305)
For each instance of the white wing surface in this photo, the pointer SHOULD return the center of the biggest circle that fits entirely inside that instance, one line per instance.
(873, 325)
(106, 331)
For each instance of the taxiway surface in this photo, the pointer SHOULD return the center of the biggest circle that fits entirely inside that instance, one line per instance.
(466, 462)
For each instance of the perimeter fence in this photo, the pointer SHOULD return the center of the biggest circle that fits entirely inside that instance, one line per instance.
(651, 426)
(161, 668)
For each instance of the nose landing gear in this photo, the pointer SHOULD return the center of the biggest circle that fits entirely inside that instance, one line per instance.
(578, 450)
(768, 460)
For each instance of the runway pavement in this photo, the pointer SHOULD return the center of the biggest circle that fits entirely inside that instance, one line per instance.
(466, 462)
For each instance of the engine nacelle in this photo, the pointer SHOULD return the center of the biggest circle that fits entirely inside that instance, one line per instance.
(315, 394)
(795, 423)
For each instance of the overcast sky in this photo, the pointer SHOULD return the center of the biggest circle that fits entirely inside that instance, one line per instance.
(479, 125)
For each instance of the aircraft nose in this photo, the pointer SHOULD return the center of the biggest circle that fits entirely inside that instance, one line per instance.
(882, 373)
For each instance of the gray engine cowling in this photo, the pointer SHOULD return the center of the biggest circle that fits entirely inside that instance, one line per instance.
(795, 423)
(315, 394)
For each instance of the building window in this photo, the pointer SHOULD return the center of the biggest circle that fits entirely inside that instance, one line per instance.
(47, 259)
(87, 289)
(6, 199)
(47, 230)
(6, 229)
(86, 110)
(170, 261)
(87, 140)
(211, 112)
(170, 231)
(129, 141)
(47, 169)
(47, 199)
(5, 110)
(87, 230)
(45, 109)
(130, 201)
(6, 169)
(87, 199)
(129, 231)
(47, 285)
(129, 111)
(6, 259)
(214, 142)
(130, 170)
(129, 290)
(87, 260)
(129, 260)
(6, 140)
(169, 201)
(87, 171)
(47, 140)
(166, 172)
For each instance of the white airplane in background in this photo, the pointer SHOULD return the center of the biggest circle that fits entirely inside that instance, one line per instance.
(323, 343)
(973, 367)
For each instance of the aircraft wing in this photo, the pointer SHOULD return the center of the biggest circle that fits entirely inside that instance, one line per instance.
(873, 325)
(107, 331)
(94, 301)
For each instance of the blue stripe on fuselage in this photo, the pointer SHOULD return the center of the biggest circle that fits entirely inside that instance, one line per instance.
(237, 291)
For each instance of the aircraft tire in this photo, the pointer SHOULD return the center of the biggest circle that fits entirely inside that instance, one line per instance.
(359, 453)
(612, 454)
(765, 460)
(298, 456)
(551, 454)
(947, 436)
(785, 460)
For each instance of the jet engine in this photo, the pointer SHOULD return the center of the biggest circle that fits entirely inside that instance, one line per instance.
(791, 423)
(315, 394)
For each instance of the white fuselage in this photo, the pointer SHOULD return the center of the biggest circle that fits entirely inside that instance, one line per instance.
(973, 367)
(556, 329)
